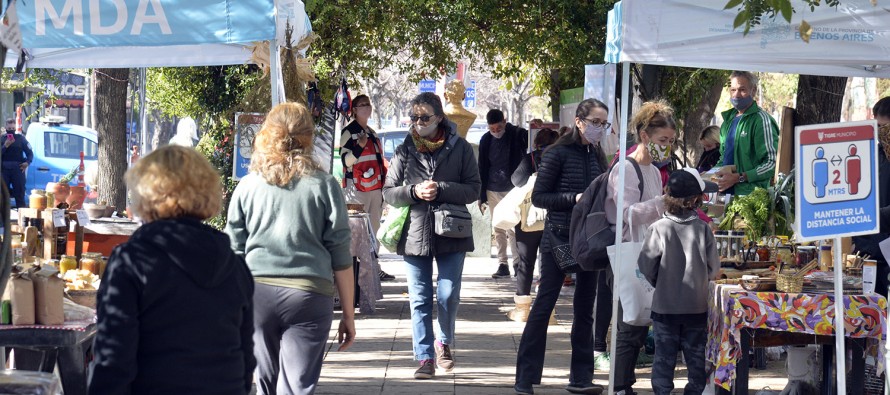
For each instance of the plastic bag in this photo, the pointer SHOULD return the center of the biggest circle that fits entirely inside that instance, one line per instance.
(633, 289)
(391, 232)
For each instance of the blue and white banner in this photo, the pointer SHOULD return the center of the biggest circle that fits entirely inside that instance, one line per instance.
(113, 23)
(247, 124)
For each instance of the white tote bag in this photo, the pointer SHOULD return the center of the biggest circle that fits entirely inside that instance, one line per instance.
(633, 289)
(506, 214)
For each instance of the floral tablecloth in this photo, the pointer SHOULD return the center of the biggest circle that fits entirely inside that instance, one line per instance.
(732, 308)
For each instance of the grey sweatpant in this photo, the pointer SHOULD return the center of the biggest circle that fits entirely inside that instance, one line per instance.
(290, 333)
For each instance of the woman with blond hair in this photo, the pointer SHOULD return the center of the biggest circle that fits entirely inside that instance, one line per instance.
(175, 308)
(288, 219)
(656, 131)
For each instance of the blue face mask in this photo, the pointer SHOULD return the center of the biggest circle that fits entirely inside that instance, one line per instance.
(742, 103)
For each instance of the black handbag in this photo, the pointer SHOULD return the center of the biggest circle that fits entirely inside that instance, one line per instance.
(562, 250)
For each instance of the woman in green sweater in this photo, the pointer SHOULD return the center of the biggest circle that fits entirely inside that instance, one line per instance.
(288, 219)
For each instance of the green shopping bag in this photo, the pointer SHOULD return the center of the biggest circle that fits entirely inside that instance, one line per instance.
(391, 232)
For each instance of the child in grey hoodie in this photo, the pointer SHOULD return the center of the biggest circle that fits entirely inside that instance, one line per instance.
(679, 258)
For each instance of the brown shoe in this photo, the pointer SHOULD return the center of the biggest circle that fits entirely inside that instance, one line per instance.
(444, 359)
(426, 370)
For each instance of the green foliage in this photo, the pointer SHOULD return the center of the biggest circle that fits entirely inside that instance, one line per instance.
(31, 78)
(211, 95)
(753, 209)
(424, 38)
(752, 12)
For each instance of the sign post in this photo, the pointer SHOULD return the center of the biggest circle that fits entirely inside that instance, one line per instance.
(470, 96)
(246, 127)
(836, 195)
(427, 86)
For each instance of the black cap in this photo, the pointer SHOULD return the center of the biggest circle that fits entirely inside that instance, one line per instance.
(687, 182)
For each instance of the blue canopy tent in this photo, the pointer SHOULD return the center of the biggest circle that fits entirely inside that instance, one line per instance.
(852, 39)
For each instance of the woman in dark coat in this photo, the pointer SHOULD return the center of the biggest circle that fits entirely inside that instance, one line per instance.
(567, 168)
(175, 308)
(432, 168)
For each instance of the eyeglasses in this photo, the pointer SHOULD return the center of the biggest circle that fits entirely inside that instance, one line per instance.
(594, 122)
(422, 118)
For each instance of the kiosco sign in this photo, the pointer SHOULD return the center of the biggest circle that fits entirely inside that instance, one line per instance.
(836, 189)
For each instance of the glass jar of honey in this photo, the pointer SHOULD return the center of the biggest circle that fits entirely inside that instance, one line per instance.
(68, 262)
(37, 200)
(91, 261)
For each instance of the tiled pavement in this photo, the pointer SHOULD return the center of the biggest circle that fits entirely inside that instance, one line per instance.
(381, 361)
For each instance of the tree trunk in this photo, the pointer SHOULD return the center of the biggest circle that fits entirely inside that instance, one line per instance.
(110, 116)
(554, 94)
(819, 99)
(697, 119)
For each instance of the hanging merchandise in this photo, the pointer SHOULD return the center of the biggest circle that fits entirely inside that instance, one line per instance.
(313, 99)
(343, 101)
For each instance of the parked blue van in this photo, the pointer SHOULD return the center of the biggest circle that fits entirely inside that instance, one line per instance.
(57, 148)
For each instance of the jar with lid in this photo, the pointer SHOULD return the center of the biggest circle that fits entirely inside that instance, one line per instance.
(17, 249)
(805, 254)
(91, 261)
(68, 262)
(37, 200)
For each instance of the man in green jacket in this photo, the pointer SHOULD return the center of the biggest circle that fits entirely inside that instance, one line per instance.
(749, 138)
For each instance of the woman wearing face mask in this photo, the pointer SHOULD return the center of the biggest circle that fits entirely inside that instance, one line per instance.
(363, 167)
(567, 168)
(655, 130)
(869, 244)
(433, 167)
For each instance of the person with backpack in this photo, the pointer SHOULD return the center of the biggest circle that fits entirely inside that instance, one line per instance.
(680, 319)
(527, 242)
(567, 168)
(656, 131)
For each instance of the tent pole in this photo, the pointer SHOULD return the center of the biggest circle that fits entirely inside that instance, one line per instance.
(619, 222)
(143, 127)
(274, 64)
(840, 356)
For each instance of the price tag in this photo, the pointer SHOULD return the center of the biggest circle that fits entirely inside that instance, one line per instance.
(82, 218)
(59, 218)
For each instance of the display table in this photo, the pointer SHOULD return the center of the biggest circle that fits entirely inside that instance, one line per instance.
(364, 247)
(40, 347)
(103, 234)
(737, 319)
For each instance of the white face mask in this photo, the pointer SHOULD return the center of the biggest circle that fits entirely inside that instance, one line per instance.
(498, 135)
(426, 131)
(593, 133)
(363, 112)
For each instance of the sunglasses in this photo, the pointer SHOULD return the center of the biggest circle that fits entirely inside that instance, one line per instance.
(422, 118)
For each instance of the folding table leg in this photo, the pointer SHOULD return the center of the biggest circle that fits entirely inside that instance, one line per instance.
(73, 369)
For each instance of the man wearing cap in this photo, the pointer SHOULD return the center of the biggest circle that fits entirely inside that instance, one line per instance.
(17, 156)
(680, 319)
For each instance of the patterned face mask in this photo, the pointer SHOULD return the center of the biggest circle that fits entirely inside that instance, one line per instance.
(658, 152)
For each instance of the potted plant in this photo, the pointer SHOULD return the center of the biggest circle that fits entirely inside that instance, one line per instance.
(61, 189)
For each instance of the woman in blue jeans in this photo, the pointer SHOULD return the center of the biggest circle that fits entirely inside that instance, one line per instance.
(567, 168)
(433, 169)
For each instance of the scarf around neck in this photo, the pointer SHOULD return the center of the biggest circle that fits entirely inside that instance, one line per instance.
(428, 145)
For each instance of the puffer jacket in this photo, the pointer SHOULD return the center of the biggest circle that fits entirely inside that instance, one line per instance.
(566, 170)
(454, 168)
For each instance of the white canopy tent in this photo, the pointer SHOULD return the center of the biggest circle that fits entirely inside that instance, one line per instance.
(151, 33)
(852, 39)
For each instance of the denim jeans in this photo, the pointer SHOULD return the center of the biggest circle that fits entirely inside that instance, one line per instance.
(670, 338)
(530, 357)
(420, 295)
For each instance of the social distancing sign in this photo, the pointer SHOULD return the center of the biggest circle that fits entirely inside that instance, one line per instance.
(836, 180)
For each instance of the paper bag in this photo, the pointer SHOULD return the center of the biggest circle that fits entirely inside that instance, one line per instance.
(22, 295)
(48, 295)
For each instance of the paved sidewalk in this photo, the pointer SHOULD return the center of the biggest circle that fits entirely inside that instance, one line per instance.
(381, 360)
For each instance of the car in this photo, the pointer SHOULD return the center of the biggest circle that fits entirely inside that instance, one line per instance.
(57, 147)
(392, 138)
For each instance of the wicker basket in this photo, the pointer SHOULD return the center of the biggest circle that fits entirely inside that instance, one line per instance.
(84, 297)
(789, 283)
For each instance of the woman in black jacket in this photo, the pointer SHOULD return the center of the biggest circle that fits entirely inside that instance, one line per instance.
(175, 308)
(527, 242)
(566, 170)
